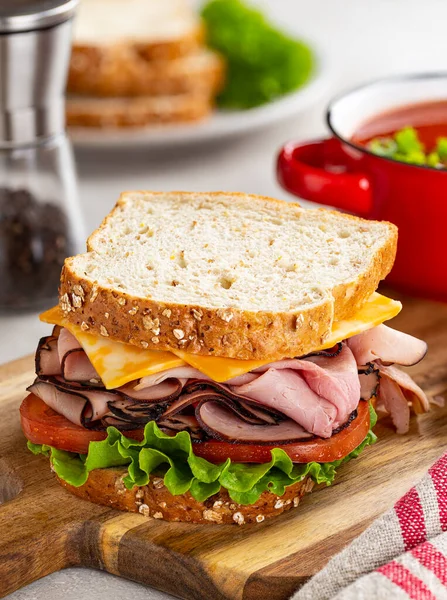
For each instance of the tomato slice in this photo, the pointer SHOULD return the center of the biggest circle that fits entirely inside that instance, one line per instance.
(42, 425)
(318, 450)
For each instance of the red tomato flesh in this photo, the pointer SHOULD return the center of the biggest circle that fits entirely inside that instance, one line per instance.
(316, 450)
(42, 425)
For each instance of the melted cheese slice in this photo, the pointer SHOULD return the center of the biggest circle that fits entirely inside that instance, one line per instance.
(118, 363)
(375, 311)
(220, 368)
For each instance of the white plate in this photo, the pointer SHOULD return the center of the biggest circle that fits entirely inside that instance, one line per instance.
(221, 124)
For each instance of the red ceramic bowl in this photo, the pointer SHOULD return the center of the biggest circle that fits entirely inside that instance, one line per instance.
(339, 173)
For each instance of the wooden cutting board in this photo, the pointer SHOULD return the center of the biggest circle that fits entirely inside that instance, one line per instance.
(43, 528)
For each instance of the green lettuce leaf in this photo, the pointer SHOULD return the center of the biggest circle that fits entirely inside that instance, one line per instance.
(173, 459)
(262, 62)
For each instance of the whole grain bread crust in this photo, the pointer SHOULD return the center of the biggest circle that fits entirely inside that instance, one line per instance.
(110, 113)
(230, 333)
(124, 71)
(154, 50)
(106, 487)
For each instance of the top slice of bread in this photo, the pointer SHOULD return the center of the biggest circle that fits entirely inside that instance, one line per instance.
(105, 22)
(159, 29)
(224, 274)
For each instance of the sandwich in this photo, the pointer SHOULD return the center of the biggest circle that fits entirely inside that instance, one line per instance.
(140, 62)
(215, 356)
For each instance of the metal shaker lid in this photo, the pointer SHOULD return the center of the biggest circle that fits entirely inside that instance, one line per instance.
(29, 15)
(35, 38)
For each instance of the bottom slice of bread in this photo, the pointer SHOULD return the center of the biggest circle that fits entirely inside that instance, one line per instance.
(86, 111)
(105, 486)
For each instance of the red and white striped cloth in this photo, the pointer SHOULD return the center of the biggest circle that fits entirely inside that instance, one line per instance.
(402, 555)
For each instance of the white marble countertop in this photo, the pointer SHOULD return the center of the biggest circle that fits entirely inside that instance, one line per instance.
(365, 40)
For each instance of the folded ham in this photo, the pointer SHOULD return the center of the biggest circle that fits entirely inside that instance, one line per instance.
(387, 345)
(287, 400)
(318, 392)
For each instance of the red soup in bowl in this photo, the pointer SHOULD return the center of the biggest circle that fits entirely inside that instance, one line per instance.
(387, 160)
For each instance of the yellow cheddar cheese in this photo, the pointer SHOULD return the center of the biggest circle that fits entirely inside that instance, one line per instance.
(117, 363)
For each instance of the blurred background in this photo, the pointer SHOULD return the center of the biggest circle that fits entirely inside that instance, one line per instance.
(120, 145)
(351, 41)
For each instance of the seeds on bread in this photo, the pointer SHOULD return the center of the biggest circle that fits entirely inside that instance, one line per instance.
(105, 486)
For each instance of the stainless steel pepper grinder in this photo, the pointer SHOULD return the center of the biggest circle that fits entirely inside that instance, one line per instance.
(40, 220)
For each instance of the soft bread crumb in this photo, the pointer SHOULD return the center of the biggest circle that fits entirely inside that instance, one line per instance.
(297, 271)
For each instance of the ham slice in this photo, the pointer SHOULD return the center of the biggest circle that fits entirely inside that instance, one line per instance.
(412, 392)
(223, 424)
(76, 366)
(203, 391)
(394, 402)
(78, 407)
(88, 406)
(47, 358)
(182, 373)
(135, 414)
(335, 379)
(74, 363)
(286, 391)
(388, 345)
(369, 381)
(167, 390)
(397, 391)
(65, 343)
(187, 423)
(318, 392)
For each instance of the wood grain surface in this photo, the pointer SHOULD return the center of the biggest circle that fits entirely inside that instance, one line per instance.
(43, 528)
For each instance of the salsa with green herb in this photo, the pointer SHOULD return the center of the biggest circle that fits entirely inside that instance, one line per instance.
(406, 146)
(415, 134)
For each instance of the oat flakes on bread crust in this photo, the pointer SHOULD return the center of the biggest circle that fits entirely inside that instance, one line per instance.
(105, 486)
(294, 271)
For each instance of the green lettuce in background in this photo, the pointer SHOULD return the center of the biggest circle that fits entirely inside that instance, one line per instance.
(174, 459)
(262, 62)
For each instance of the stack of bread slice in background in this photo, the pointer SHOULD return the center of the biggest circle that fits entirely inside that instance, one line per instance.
(140, 62)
